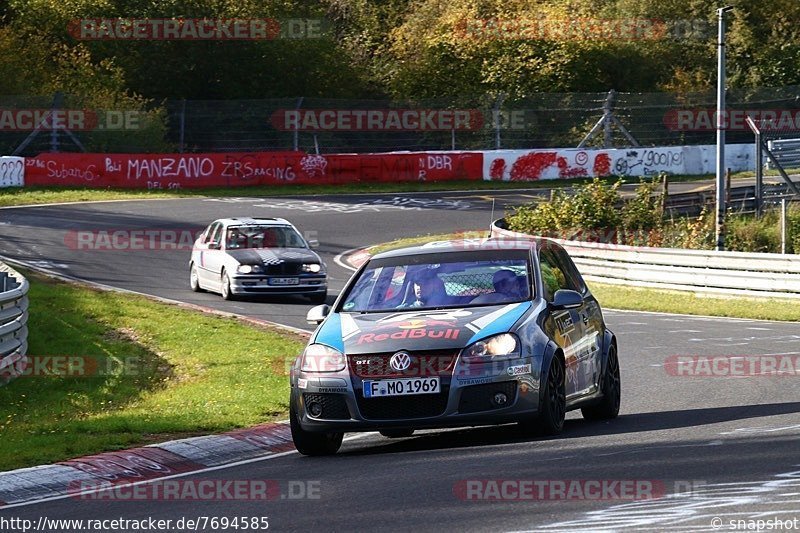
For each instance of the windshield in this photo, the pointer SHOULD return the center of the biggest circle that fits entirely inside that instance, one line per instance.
(239, 237)
(429, 285)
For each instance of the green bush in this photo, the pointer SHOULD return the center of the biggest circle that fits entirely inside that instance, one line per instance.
(645, 210)
(593, 211)
(592, 207)
(793, 229)
(595, 206)
(746, 233)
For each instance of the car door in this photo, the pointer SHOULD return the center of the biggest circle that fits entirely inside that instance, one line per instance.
(209, 262)
(564, 326)
(588, 353)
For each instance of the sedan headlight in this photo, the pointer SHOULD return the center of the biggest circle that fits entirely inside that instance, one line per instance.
(503, 346)
(248, 269)
(321, 358)
(312, 267)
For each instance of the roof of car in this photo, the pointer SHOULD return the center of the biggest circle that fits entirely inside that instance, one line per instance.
(465, 245)
(253, 221)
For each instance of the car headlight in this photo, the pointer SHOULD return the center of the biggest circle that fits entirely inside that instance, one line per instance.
(312, 267)
(321, 358)
(248, 269)
(503, 346)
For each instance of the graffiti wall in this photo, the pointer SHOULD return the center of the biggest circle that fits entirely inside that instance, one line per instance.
(178, 171)
(12, 171)
(531, 165)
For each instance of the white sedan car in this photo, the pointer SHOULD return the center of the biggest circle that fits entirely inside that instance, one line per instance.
(237, 256)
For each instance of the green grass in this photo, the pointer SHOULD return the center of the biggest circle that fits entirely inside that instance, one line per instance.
(422, 239)
(656, 300)
(662, 301)
(188, 373)
(44, 195)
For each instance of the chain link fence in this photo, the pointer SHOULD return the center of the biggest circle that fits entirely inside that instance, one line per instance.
(64, 123)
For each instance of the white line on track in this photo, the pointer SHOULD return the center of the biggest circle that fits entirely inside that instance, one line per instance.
(339, 261)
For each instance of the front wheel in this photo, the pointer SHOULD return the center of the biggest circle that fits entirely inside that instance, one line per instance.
(310, 443)
(608, 407)
(225, 287)
(194, 280)
(552, 406)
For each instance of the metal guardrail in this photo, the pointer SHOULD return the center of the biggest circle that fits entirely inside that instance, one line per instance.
(786, 151)
(13, 323)
(733, 273)
(740, 199)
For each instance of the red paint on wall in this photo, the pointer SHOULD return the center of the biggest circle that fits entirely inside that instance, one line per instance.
(529, 167)
(602, 165)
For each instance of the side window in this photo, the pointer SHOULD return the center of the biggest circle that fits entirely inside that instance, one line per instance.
(553, 277)
(574, 279)
(209, 232)
(214, 234)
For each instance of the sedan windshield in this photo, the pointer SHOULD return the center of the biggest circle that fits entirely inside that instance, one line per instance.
(407, 282)
(239, 237)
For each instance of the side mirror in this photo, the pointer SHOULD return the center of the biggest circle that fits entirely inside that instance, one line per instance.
(214, 246)
(567, 299)
(313, 243)
(317, 314)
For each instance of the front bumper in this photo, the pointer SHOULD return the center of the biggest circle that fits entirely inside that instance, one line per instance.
(464, 400)
(265, 284)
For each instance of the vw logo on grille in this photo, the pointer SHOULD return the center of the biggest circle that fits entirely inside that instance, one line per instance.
(400, 361)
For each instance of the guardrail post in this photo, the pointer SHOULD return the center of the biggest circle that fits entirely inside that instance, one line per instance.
(759, 174)
(727, 186)
(783, 225)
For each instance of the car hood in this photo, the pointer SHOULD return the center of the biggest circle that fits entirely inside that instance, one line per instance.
(272, 256)
(446, 329)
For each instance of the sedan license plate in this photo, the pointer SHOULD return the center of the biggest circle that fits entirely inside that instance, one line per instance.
(284, 281)
(401, 387)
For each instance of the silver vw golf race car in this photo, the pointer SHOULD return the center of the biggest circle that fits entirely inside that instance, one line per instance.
(239, 256)
(455, 333)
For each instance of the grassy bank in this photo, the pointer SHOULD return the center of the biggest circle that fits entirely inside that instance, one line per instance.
(162, 372)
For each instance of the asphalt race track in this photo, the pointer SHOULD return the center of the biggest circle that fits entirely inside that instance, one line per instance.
(707, 450)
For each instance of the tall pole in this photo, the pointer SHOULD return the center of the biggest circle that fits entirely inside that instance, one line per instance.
(721, 125)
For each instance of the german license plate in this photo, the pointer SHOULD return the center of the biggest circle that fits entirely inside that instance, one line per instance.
(284, 281)
(401, 387)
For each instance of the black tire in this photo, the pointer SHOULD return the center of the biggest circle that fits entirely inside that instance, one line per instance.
(225, 287)
(608, 406)
(397, 433)
(313, 444)
(319, 298)
(194, 280)
(553, 404)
